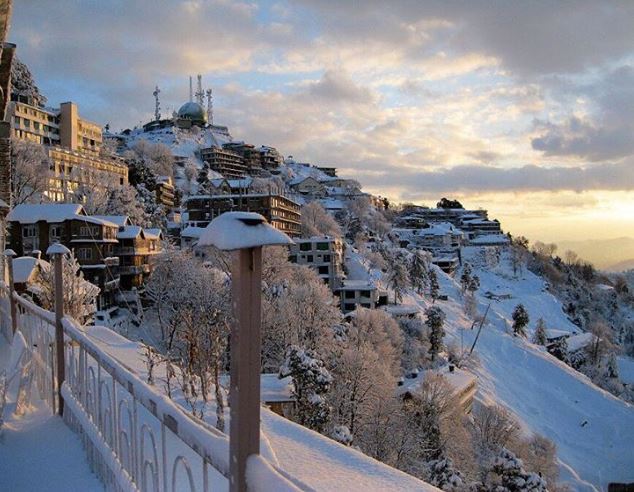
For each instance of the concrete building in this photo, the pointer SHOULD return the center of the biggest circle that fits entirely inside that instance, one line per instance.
(165, 193)
(74, 146)
(224, 161)
(250, 155)
(281, 212)
(323, 254)
(355, 293)
(93, 241)
(270, 158)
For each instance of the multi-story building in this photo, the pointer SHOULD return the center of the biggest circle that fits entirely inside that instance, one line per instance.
(74, 146)
(322, 253)
(355, 293)
(36, 227)
(250, 156)
(224, 161)
(281, 212)
(270, 158)
(136, 250)
(165, 192)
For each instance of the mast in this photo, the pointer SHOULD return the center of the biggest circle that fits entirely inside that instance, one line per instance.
(191, 90)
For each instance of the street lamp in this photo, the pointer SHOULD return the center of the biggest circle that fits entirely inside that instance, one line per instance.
(245, 233)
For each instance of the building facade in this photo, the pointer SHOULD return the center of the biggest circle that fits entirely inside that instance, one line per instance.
(224, 161)
(74, 147)
(323, 254)
(281, 212)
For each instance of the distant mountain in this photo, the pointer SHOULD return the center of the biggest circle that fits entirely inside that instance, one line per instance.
(614, 254)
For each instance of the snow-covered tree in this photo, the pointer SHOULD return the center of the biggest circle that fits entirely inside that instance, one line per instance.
(113, 200)
(317, 222)
(443, 475)
(419, 270)
(559, 349)
(79, 294)
(474, 284)
(434, 287)
(435, 321)
(612, 367)
(311, 382)
(204, 184)
(31, 164)
(465, 278)
(513, 477)
(520, 320)
(540, 337)
(23, 83)
(398, 277)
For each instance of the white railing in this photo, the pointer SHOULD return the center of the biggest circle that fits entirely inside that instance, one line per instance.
(135, 437)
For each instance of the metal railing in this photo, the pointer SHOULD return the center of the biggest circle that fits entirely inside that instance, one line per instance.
(135, 437)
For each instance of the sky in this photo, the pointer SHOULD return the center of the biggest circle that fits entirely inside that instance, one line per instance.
(524, 108)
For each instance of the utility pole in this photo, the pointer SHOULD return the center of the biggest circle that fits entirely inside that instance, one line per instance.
(57, 252)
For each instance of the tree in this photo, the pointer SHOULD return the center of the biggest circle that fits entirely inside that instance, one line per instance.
(434, 287)
(601, 341)
(513, 477)
(540, 337)
(474, 284)
(559, 349)
(419, 270)
(311, 382)
(520, 320)
(203, 181)
(435, 321)
(465, 278)
(317, 222)
(114, 200)
(446, 203)
(443, 475)
(31, 172)
(397, 278)
(79, 294)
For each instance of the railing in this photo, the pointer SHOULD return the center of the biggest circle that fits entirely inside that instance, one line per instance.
(134, 269)
(135, 437)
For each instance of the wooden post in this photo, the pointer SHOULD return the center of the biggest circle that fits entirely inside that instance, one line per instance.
(9, 254)
(244, 396)
(57, 252)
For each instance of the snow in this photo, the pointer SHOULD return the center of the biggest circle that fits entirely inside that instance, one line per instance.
(119, 220)
(23, 268)
(39, 452)
(274, 389)
(626, 369)
(239, 230)
(57, 249)
(50, 212)
(490, 239)
(129, 232)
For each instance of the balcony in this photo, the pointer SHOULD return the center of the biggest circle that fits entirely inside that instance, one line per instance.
(111, 285)
(134, 269)
(132, 251)
(111, 261)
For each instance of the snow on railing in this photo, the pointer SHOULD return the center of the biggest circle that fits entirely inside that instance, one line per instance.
(135, 437)
(5, 312)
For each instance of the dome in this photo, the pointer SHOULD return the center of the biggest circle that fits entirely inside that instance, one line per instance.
(192, 111)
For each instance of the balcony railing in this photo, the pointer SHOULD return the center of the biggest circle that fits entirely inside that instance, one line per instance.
(134, 269)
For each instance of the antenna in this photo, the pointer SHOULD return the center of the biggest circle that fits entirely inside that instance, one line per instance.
(191, 89)
(210, 107)
(199, 90)
(157, 104)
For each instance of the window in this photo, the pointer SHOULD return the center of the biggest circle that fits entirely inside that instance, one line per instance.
(309, 258)
(29, 230)
(365, 293)
(292, 258)
(323, 270)
(349, 294)
(304, 247)
(323, 246)
(55, 232)
(348, 307)
(326, 257)
(91, 231)
(36, 125)
(84, 254)
(27, 123)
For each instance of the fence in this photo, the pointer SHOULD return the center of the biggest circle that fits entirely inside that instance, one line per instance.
(135, 437)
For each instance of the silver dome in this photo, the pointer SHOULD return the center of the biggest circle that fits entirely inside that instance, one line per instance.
(192, 111)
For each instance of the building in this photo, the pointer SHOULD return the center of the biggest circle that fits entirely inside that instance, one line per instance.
(322, 253)
(136, 250)
(224, 161)
(165, 194)
(281, 212)
(358, 293)
(430, 237)
(308, 186)
(270, 158)
(74, 146)
(250, 155)
(27, 271)
(191, 114)
(93, 241)
(328, 171)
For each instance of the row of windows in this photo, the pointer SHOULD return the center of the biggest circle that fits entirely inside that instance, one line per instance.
(319, 246)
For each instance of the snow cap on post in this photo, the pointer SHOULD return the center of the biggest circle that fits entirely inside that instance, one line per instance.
(9, 253)
(239, 230)
(57, 249)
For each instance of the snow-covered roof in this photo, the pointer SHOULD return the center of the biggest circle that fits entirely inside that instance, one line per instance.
(331, 204)
(357, 285)
(129, 232)
(193, 232)
(490, 239)
(240, 183)
(459, 380)
(153, 233)
(24, 267)
(239, 230)
(48, 212)
(119, 220)
(401, 309)
(576, 342)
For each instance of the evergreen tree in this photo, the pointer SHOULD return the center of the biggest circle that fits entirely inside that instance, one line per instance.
(311, 381)
(613, 368)
(512, 475)
(465, 278)
(434, 287)
(443, 475)
(474, 284)
(435, 321)
(540, 333)
(397, 279)
(520, 320)
(418, 272)
(203, 179)
(559, 349)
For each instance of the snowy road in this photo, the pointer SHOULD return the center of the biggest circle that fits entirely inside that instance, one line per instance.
(39, 453)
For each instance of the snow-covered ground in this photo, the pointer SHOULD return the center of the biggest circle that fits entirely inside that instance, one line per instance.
(39, 452)
(593, 430)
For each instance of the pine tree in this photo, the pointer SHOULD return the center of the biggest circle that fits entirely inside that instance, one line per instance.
(443, 475)
(434, 287)
(435, 321)
(397, 279)
(512, 475)
(465, 278)
(418, 272)
(540, 333)
(474, 284)
(520, 320)
(559, 349)
(311, 381)
(613, 368)
(203, 178)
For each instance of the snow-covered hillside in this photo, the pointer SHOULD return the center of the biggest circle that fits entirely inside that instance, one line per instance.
(593, 430)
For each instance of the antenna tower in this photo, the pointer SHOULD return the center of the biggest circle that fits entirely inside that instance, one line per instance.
(199, 90)
(157, 104)
(210, 107)
(191, 90)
